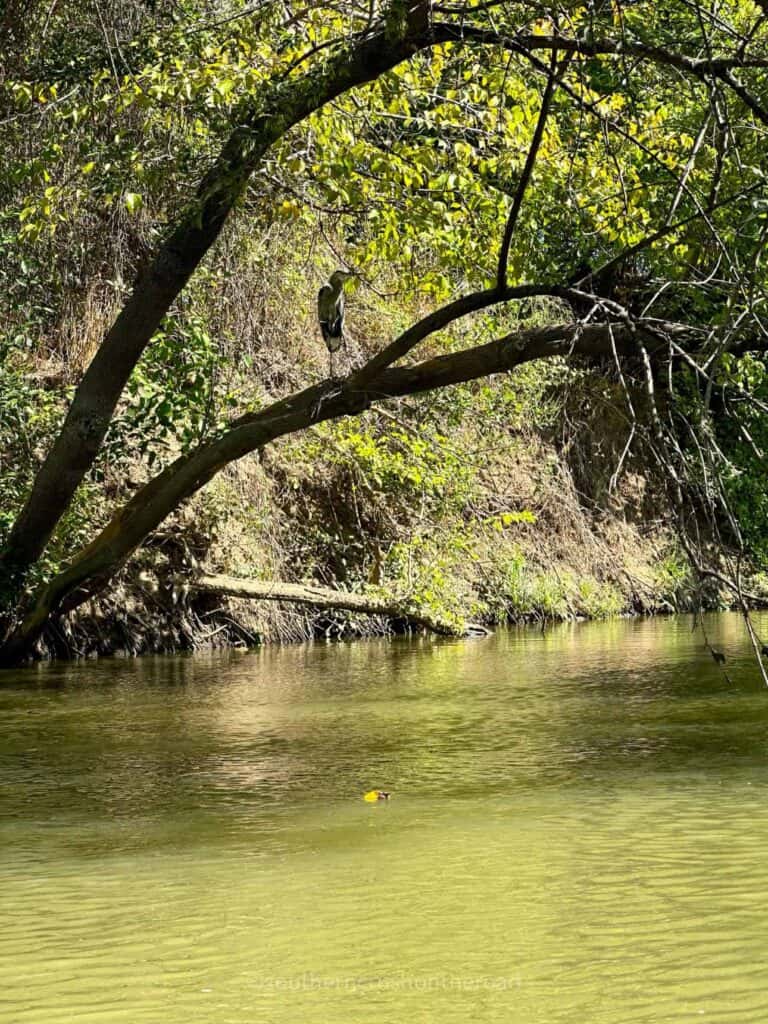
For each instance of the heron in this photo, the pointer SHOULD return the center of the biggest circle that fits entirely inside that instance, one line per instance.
(330, 312)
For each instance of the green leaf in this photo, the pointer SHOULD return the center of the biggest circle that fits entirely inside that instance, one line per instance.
(133, 202)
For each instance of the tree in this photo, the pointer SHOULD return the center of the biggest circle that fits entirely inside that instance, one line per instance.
(678, 297)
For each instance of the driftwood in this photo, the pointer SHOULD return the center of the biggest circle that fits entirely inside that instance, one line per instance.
(324, 597)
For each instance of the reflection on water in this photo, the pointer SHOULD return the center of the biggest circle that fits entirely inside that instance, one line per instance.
(577, 833)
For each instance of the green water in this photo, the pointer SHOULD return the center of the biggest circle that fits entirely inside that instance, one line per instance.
(578, 833)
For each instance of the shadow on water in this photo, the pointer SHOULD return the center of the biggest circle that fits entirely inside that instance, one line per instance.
(225, 733)
(587, 796)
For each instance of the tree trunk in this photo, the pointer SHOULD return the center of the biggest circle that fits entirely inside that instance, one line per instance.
(96, 564)
(324, 597)
(93, 406)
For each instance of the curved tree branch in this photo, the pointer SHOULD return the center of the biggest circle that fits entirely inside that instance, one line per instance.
(354, 63)
(96, 564)
(474, 302)
(702, 68)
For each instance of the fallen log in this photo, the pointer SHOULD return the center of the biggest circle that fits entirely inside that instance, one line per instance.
(324, 597)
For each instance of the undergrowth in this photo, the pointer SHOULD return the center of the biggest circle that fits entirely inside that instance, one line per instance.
(468, 504)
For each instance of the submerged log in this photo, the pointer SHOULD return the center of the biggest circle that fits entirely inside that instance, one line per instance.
(325, 597)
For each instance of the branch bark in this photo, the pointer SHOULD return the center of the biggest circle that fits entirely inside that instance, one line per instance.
(285, 105)
(324, 597)
(702, 68)
(530, 163)
(96, 564)
(404, 31)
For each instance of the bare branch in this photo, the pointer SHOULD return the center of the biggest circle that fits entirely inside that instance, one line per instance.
(525, 177)
(702, 68)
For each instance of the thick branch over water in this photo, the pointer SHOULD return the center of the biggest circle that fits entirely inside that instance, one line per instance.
(96, 564)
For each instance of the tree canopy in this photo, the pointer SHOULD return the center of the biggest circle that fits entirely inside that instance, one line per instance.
(584, 181)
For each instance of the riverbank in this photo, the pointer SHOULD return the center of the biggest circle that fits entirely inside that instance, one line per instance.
(504, 537)
(515, 498)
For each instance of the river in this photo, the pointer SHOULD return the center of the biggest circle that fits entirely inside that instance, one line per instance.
(578, 832)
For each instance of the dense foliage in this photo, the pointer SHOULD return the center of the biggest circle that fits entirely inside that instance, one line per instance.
(621, 145)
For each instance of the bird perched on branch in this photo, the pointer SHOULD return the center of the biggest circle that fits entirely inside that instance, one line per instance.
(330, 312)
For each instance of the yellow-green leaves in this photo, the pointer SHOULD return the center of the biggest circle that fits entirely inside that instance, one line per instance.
(506, 519)
(133, 202)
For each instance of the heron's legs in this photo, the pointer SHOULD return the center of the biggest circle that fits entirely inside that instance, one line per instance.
(330, 389)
